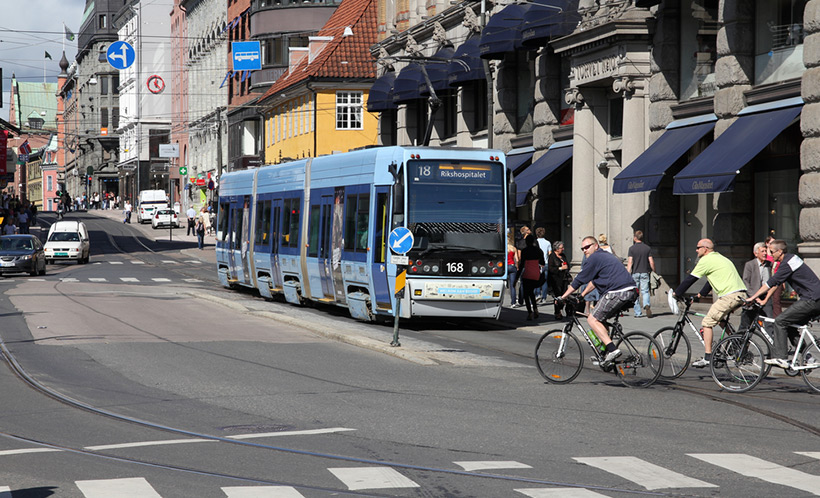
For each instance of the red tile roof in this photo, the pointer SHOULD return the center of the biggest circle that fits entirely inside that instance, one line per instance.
(344, 57)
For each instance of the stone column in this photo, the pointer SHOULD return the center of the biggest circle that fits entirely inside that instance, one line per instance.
(402, 131)
(583, 182)
(809, 188)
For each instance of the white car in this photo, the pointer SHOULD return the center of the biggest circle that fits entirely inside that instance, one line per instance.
(68, 240)
(165, 217)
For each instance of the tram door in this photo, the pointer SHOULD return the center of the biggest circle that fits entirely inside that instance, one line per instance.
(381, 228)
(325, 248)
(336, 227)
(235, 240)
(277, 230)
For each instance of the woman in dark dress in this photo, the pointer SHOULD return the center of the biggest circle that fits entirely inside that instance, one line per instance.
(558, 271)
(532, 260)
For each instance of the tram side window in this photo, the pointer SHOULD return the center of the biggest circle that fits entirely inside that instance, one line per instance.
(277, 213)
(294, 222)
(313, 240)
(262, 222)
(222, 224)
(356, 220)
(285, 224)
(238, 216)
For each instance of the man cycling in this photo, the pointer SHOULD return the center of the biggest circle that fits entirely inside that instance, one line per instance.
(722, 276)
(804, 281)
(605, 272)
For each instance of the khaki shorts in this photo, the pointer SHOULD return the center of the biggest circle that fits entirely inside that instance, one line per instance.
(723, 307)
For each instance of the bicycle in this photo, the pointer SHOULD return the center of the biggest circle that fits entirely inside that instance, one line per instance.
(559, 357)
(738, 362)
(677, 350)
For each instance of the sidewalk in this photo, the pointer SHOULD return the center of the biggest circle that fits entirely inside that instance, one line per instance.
(164, 235)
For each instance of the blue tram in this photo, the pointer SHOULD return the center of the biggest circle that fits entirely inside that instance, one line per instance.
(317, 229)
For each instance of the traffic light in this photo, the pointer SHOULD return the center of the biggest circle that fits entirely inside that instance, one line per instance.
(90, 178)
(58, 193)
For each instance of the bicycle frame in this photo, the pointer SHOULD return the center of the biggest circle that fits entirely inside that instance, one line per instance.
(804, 334)
(614, 330)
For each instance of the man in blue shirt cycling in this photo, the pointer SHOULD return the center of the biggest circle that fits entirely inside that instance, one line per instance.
(605, 272)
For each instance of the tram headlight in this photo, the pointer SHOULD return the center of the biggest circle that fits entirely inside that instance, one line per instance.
(426, 268)
(435, 268)
(483, 270)
(475, 269)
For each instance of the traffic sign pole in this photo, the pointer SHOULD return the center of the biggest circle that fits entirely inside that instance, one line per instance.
(400, 241)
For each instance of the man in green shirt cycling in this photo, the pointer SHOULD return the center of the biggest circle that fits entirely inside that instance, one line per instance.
(722, 277)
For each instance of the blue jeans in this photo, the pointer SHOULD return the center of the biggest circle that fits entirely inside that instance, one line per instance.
(544, 288)
(511, 282)
(642, 281)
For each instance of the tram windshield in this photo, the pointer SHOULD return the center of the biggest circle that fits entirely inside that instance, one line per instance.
(456, 205)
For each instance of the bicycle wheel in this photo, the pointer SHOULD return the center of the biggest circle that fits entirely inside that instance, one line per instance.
(558, 356)
(736, 366)
(641, 360)
(677, 351)
(811, 356)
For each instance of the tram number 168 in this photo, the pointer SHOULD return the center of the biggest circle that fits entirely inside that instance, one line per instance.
(455, 267)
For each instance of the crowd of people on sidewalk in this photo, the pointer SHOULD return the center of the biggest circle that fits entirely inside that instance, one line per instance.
(16, 216)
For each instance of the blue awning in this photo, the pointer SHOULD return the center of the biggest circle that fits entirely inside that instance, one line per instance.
(542, 24)
(406, 86)
(714, 170)
(557, 156)
(518, 160)
(438, 72)
(645, 173)
(380, 97)
(470, 67)
(502, 33)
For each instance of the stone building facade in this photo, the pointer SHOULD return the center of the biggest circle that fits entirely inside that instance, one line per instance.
(716, 84)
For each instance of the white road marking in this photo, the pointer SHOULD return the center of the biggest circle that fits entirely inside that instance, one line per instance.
(23, 451)
(194, 261)
(192, 280)
(559, 493)
(291, 433)
(751, 466)
(168, 262)
(260, 492)
(811, 454)
(487, 465)
(97, 280)
(129, 279)
(643, 473)
(116, 262)
(68, 279)
(138, 262)
(147, 443)
(161, 279)
(135, 487)
(5, 492)
(356, 478)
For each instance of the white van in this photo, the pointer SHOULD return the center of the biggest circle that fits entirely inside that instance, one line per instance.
(68, 240)
(150, 201)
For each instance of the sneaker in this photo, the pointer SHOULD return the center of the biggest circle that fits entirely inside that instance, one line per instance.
(778, 362)
(701, 363)
(515, 305)
(648, 311)
(611, 356)
(638, 316)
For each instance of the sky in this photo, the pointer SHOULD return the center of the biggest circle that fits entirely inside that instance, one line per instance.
(36, 27)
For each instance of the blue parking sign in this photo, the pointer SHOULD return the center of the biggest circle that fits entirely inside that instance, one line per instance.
(247, 56)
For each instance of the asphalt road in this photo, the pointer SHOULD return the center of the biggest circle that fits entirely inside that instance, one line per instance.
(247, 397)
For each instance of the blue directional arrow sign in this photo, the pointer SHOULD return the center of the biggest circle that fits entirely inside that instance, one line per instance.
(400, 240)
(120, 55)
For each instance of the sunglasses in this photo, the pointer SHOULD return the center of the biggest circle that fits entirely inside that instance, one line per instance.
(584, 248)
(700, 247)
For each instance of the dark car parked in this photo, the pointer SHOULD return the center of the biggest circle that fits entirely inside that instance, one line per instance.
(22, 253)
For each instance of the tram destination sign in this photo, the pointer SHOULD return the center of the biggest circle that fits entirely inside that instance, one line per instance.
(450, 172)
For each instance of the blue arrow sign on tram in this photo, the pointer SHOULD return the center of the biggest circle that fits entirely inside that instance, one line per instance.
(400, 240)
(120, 54)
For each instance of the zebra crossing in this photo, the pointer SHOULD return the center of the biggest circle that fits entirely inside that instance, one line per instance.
(102, 280)
(647, 475)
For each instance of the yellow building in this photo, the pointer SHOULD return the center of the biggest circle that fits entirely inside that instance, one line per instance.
(318, 106)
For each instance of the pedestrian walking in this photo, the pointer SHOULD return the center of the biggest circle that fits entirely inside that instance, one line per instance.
(520, 245)
(127, 212)
(558, 273)
(530, 265)
(512, 270)
(191, 214)
(200, 233)
(639, 263)
(546, 248)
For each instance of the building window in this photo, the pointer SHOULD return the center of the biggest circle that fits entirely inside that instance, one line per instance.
(103, 85)
(449, 104)
(524, 69)
(616, 117)
(103, 118)
(479, 91)
(349, 110)
(115, 84)
(115, 117)
(103, 21)
(699, 28)
(49, 183)
(779, 40)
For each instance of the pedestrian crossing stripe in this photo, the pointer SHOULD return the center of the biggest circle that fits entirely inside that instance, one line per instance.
(359, 478)
(168, 261)
(98, 280)
(191, 280)
(559, 493)
(751, 466)
(472, 466)
(194, 261)
(261, 492)
(161, 279)
(115, 262)
(129, 279)
(643, 473)
(68, 279)
(117, 488)
(138, 262)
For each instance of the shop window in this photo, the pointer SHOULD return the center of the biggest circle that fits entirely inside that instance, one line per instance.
(779, 40)
(699, 28)
(478, 89)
